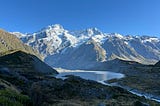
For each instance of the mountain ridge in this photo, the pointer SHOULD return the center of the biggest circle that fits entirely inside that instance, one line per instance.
(22, 61)
(55, 41)
(10, 43)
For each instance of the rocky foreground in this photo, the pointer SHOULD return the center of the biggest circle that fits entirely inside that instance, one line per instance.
(22, 83)
(141, 78)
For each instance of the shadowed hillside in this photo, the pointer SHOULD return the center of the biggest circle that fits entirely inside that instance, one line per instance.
(23, 62)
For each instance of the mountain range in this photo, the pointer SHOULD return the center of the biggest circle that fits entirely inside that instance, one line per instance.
(27, 80)
(85, 49)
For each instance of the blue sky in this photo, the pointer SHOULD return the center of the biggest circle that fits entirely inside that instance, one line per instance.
(136, 17)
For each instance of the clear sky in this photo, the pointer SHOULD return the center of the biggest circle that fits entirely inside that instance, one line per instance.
(136, 17)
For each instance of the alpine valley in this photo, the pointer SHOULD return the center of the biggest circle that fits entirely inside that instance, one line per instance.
(58, 67)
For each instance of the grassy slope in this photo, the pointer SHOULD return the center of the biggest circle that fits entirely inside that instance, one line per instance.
(9, 42)
(10, 96)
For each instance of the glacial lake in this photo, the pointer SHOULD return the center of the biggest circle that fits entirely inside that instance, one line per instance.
(101, 76)
(98, 76)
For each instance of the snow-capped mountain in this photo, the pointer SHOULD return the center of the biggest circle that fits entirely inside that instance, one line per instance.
(49, 40)
(85, 48)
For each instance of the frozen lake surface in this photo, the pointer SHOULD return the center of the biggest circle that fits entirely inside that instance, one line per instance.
(98, 76)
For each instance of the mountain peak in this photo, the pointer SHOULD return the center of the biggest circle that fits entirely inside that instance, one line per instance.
(117, 35)
(55, 27)
(93, 31)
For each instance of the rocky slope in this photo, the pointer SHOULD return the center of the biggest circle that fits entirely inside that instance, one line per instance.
(18, 70)
(19, 67)
(9, 43)
(63, 48)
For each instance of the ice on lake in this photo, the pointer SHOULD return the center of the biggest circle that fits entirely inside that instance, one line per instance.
(92, 75)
